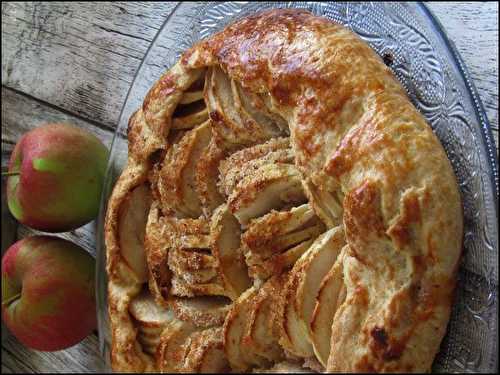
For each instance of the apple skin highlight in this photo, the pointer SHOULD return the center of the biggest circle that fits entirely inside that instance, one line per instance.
(61, 171)
(48, 295)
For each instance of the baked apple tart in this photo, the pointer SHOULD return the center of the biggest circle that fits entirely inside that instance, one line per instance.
(284, 207)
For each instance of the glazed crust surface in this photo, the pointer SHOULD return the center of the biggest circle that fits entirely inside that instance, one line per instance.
(357, 140)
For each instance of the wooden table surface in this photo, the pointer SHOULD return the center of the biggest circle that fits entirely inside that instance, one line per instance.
(74, 62)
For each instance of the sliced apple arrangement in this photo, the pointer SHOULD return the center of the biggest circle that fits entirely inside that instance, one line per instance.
(225, 246)
(259, 179)
(192, 341)
(274, 242)
(176, 183)
(204, 352)
(301, 292)
(250, 329)
(237, 120)
(132, 229)
(331, 295)
(179, 257)
(203, 311)
(151, 320)
(239, 262)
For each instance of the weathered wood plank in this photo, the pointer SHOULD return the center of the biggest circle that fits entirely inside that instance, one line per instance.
(79, 56)
(473, 27)
(84, 236)
(21, 113)
(81, 358)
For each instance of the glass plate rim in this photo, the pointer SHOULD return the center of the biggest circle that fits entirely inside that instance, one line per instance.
(457, 61)
(479, 111)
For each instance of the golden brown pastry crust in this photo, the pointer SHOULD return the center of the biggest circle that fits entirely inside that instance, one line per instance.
(358, 141)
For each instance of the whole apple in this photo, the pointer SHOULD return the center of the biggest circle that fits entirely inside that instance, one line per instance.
(48, 295)
(56, 173)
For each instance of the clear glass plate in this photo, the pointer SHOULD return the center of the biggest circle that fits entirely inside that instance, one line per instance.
(413, 44)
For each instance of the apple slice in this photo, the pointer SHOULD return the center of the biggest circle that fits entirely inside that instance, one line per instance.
(328, 205)
(250, 114)
(273, 242)
(202, 311)
(286, 367)
(255, 106)
(261, 335)
(205, 353)
(190, 121)
(156, 247)
(301, 289)
(181, 288)
(316, 263)
(279, 262)
(133, 215)
(151, 320)
(292, 337)
(176, 179)
(195, 267)
(330, 296)
(229, 124)
(165, 234)
(232, 176)
(184, 243)
(169, 357)
(234, 330)
(278, 230)
(200, 277)
(191, 97)
(243, 162)
(270, 187)
(225, 246)
(250, 348)
(206, 177)
(190, 112)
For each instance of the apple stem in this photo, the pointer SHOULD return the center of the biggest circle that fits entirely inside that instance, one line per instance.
(10, 173)
(11, 299)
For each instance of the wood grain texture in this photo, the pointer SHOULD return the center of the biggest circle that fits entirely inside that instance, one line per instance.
(79, 56)
(74, 62)
(473, 28)
(21, 113)
(80, 358)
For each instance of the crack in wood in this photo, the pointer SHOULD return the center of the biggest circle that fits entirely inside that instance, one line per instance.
(121, 33)
(65, 111)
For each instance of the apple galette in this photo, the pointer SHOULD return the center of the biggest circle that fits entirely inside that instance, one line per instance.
(284, 207)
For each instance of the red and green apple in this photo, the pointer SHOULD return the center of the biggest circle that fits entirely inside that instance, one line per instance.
(56, 173)
(48, 293)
